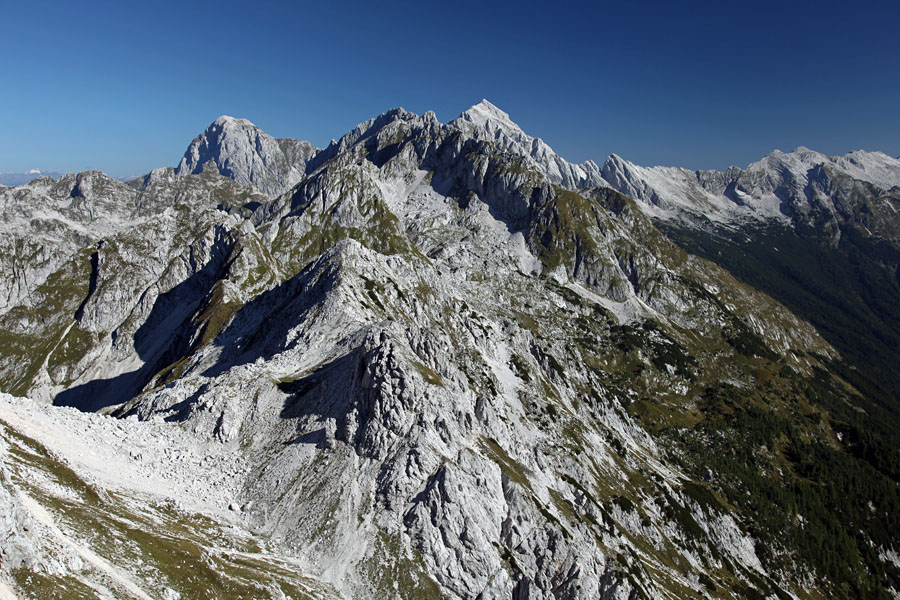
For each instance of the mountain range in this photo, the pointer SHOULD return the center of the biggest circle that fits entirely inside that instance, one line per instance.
(438, 360)
(13, 179)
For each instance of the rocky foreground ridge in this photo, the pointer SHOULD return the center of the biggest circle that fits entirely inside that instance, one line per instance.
(430, 360)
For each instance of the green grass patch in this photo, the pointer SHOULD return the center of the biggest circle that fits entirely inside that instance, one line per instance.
(510, 467)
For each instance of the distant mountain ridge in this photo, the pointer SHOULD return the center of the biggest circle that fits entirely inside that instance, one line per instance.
(780, 186)
(14, 179)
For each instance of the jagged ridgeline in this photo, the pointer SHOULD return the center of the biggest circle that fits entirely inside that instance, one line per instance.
(455, 366)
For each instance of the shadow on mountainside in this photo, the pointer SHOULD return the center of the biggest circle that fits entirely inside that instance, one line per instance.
(260, 327)
(328, 393)
(163, 338)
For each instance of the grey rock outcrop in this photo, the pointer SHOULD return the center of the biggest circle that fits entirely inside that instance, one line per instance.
(487, 122)
(236, 148)
(18, 542)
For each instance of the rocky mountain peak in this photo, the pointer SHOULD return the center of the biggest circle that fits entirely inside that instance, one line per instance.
(614, 159)
(800, 160)
(227, 121)
(383, 132)
(876, 168)
(484, 121)
(493, 120)
(238, 149)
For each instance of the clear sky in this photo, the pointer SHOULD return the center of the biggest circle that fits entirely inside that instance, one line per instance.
(124, 86)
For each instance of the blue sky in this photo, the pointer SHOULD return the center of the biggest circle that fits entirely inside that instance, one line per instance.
(123, 87)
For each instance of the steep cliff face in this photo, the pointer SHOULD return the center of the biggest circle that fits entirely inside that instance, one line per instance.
(452, 364)
(238, 149)
(486, 122)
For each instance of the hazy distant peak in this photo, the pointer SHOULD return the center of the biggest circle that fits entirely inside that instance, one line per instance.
(874, 167)
(14, 179)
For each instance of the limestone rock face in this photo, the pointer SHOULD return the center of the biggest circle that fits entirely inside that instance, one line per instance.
(447, 362)
(236, 148)
(17, 545)
(486, 121)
